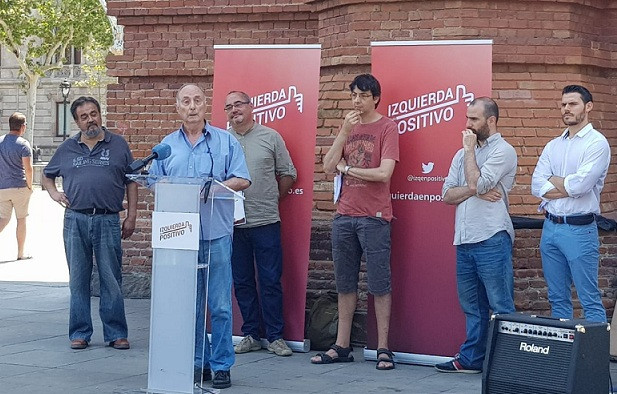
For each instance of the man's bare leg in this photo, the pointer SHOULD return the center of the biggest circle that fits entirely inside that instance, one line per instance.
(21, 237)
(383, 306)
(4, 222)
(346, 309)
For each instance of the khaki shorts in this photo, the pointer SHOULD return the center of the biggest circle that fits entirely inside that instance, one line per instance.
(16, 198)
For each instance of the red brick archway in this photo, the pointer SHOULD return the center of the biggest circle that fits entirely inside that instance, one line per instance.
(539, 46)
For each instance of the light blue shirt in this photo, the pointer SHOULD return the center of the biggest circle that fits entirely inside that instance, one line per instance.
(217, 154)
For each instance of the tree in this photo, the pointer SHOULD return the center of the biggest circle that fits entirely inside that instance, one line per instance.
(38, 33)
(94, 70)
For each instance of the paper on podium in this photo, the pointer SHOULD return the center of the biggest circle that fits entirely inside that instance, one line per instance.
(338, 184)
(239, 215)
(219, 190)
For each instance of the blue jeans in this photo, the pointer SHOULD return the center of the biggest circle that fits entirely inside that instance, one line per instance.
(261, 247)
(218, 355)
(485, 281)
(85, 235)
(570, 253)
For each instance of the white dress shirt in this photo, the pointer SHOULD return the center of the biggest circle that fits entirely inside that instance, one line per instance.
(583, 163)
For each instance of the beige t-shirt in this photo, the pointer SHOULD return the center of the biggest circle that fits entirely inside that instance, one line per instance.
(267, 158)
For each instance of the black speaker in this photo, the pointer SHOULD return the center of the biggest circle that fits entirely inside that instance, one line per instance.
(528, 354)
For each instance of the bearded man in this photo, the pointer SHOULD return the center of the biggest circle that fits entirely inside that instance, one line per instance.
(568, 178)
(480, 177)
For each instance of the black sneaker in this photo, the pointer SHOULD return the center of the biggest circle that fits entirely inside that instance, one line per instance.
(198, 373)
(455, 365)
(222, 380)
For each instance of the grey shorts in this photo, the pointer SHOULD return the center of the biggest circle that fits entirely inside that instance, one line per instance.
(353, 236)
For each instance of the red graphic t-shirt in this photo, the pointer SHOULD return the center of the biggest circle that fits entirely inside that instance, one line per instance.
(366, 147)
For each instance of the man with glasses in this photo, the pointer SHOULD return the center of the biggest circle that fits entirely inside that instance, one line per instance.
(200, 150)
(365, 151)
(257, 243)
(15, 179)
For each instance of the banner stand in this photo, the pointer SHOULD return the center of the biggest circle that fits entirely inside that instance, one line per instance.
(296, 346)
(283, 85)
(426, 88)
(408, 358)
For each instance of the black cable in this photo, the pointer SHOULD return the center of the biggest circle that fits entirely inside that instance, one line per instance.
(205, 189)
(211, 174)
(210, 153)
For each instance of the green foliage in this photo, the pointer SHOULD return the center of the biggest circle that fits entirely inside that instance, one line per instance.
(39, 31)
(94, 69)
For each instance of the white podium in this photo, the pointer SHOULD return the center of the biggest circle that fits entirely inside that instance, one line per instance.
(176, 230)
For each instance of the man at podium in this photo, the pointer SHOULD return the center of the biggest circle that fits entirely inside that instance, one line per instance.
(200, 150)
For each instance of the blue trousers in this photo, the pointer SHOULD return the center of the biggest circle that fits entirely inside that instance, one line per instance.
(86, 236)
(485, 282)
(259, 247)
(570, 254)
(219, 354)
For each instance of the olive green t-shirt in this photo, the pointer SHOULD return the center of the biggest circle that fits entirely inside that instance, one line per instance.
(267, 158)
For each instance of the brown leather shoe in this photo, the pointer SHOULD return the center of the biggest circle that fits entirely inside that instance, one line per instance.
(120, 344)
(79, 344)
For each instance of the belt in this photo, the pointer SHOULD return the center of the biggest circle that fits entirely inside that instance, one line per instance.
(95, 211)
(576, 220)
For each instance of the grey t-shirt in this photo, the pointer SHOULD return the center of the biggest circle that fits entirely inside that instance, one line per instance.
(266, 157)
(12, 149)
(92, 178)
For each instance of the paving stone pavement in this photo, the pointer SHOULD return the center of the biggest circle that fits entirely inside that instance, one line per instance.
(35, 356)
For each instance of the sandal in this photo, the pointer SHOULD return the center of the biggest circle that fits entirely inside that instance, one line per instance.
(389, 359)
(342, 355)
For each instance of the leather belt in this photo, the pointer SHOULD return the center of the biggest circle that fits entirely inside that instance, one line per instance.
(576, 220)
(95, 211)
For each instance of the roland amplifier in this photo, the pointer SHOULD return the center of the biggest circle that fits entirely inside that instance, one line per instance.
(528, 354)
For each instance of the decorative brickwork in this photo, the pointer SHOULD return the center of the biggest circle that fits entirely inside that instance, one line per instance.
(539, 46)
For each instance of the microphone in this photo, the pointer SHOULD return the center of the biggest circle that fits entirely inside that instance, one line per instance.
(159, 152)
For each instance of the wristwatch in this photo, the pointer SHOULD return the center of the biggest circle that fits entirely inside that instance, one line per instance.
(346, 170)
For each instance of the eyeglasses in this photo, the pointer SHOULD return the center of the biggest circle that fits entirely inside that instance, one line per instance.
(363, 96)
(237, 104)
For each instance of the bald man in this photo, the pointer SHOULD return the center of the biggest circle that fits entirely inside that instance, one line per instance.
(199, 150)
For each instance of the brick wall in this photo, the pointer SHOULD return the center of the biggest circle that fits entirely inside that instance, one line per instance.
(539, 46)
(168, 44)
(529, 286)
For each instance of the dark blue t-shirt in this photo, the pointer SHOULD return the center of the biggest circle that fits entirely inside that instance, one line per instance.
(92, 178)
(12, 149)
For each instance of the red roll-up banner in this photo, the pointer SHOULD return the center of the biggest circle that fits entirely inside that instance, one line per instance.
(283, 83)
(426, 87)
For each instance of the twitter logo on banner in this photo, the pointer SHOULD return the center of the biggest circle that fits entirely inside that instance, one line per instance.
(428, 167)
